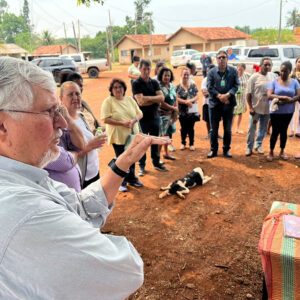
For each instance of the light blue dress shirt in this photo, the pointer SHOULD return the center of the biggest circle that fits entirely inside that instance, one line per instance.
(48, 247)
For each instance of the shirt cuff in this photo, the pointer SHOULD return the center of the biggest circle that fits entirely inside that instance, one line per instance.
(95, 204)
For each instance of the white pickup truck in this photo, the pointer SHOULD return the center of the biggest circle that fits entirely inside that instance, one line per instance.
(92, 67)
(278, 54)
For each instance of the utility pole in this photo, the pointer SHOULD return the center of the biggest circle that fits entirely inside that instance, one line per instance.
(150, 37)
(75, 37)
(135, 23)
(111, 39)
(66, 37)
(279, 30)
(79, 42)
(107, 50)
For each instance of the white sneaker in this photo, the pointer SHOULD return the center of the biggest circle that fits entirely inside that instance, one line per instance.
(259, 150)
(248, 152)
(171, 148)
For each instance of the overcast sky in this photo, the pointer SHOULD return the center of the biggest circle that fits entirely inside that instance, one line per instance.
(168, 15)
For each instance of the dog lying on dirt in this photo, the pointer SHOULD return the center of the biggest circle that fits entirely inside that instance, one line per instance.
(182, 186)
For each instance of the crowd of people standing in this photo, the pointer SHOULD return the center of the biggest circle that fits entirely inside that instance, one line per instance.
(156, 104)
(38, 132)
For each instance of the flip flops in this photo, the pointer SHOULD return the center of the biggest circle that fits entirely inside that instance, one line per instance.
(284, 156)
(270, 158)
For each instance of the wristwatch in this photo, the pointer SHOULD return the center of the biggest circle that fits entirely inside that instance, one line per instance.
(116, 169)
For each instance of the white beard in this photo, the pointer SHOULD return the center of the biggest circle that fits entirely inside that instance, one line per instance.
(51, 155)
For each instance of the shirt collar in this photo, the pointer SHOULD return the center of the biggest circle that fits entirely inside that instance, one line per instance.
(30, 172)
(218, 70)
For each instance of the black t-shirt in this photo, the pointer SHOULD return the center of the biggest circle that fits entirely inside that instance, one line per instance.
(140, 86)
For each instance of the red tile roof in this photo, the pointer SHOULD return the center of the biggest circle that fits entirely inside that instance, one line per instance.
(144, 39)
(51, 49)
(214, 33)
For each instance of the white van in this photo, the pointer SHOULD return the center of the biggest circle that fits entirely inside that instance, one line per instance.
(181, 57)
(278, 54)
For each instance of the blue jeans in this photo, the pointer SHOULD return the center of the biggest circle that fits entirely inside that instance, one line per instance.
(262, 130)
(217, 113)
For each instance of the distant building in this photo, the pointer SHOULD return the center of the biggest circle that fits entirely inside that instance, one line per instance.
(54, 50)
(13, 51)
(139, 44)
(206, 39)
(203, 39)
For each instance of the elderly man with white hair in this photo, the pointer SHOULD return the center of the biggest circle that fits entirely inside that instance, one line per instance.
(50, 244)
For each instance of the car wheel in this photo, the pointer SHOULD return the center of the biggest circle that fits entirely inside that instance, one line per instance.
(93, 73)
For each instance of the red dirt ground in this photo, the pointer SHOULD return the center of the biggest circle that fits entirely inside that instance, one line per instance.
(203, 247)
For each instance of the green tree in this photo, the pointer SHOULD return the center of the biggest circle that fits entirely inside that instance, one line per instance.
(28, 41)
(143, 18)
(88, 2)
(270, 36)
(3, 9)
(293, 19)
(96, 45)
(25, 14)
(245, 29)
(12, 25)
(47, 38)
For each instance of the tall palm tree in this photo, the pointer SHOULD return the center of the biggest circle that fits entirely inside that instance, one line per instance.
(293, 19)
(47, 39)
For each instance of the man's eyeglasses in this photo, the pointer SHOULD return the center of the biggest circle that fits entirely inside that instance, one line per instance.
(267, 65)
(222, 57)
(54, 114)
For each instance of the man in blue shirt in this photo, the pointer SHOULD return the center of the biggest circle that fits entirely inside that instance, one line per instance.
(231, 55)
(222, 85)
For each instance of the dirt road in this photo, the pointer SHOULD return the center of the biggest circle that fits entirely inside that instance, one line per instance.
(203, 247)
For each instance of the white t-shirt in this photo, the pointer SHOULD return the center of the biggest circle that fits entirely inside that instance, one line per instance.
(258, 86)
(134, 70)
(92, 157)
(204, 87)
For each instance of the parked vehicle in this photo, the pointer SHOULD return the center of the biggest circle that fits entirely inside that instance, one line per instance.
(278, 54)
(196, 59)
(55, 65)
(181, 57)
(240, 51)
(92, 67)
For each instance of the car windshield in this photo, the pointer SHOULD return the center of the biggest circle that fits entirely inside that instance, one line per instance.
(196, 56)
(263, 52)
(177, 53)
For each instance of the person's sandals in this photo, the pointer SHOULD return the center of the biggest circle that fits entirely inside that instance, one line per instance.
(270, 158)
(192, 148)
(182, 147)
(283, 156)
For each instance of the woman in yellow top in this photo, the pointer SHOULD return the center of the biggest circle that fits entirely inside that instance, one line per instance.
(121, 113)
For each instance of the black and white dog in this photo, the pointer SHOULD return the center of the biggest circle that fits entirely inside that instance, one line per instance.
(182, 186)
